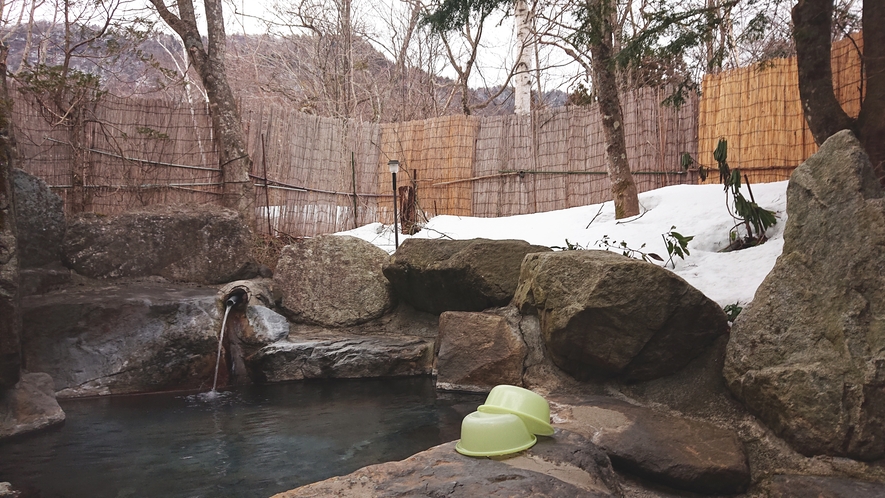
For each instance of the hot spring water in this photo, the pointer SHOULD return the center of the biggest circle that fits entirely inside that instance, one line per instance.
(245, 441)
(248, 441)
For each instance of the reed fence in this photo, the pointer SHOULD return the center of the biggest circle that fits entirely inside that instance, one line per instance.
(758, 110)
(319, 175)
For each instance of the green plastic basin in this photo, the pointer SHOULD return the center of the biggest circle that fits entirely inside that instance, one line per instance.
(493, 434)
(529, 406)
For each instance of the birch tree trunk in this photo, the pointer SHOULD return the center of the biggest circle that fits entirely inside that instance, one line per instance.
(522, 82)
(238, 192)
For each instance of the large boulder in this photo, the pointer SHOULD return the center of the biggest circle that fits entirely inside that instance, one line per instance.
(565, 465)
(681, 453)
(29, 407)
(41, 225)
(808, 355)
(457, 275)
(207, 245)
(40, 220)
(122, 339)
(333, 280)
(604, 314)
(478, 351)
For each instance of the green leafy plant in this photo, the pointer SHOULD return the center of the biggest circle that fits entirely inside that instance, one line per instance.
(569, 246)
(686, 161)
(732, 311)
(677, 245)
(608, 244)
(755, 219)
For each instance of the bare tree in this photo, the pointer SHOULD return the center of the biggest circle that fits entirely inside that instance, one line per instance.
(419, 58)
(234, 161)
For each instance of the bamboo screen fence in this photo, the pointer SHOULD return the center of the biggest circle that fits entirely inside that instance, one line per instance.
(758, 110)
(319, 175)
(115, 154)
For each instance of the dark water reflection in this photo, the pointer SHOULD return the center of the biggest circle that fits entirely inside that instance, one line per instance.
(250, 441)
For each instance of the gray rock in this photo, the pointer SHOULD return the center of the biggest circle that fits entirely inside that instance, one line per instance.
(793, 486)
(40, 220)
(478, 351)
(565, 465)
(205, 245)
(603, 314)
(7, 491)
(43, 279)
(29, 407)
(341, 356)
(808, 355)
(122, 339)
(457, 275)
(685, 454)
(266, 326)
(333, 280)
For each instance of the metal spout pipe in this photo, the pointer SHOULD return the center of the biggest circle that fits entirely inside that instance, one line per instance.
(233, 300)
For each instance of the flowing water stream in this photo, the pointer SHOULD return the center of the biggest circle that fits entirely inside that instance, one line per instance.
(249, 441)
(227, 308)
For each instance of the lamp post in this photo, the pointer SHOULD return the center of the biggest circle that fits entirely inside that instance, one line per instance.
(393, 165)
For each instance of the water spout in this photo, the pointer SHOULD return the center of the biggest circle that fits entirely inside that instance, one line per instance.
(233, 300)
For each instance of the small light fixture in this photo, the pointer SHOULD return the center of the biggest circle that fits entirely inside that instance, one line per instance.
(393, 165)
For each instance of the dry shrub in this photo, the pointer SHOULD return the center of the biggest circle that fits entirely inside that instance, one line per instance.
(266, 249)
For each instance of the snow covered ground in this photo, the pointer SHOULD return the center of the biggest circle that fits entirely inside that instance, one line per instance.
(694, 210)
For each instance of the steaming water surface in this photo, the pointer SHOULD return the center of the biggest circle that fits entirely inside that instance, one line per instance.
(248, 441)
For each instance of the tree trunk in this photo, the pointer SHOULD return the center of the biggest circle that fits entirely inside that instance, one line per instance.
(812, 26)
(812, 21)
(234, 161)
(10, 309)
(522, 83)
(624, 193)
(870, 127)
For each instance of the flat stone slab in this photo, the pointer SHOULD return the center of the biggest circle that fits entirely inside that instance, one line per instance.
(681, 453)
(564, 465)
(340, 356)
(794, 486)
